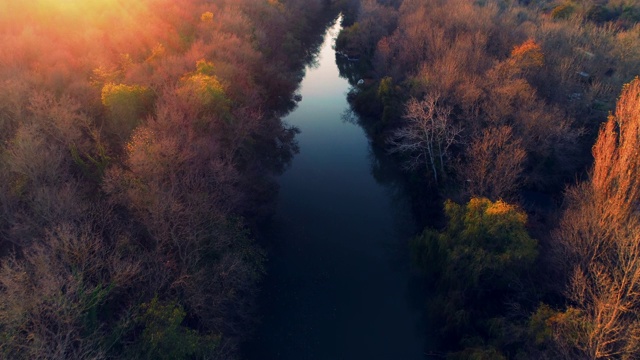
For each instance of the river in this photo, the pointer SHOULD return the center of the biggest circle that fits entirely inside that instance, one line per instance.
(339, 283)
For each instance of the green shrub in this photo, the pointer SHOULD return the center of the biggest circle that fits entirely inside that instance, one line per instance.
(165, 336)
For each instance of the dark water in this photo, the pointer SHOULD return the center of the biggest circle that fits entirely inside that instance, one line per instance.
(339, 283)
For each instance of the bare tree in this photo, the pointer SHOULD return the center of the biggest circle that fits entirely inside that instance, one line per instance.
(494, 163)
(427, 135)
(50, 297)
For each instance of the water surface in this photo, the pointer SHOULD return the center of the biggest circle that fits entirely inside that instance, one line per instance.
(339, 284)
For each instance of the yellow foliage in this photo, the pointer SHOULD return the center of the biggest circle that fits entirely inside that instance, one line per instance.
(499, 207)
(112, 93)
(204, 84)
(207, 89)
(204, 67)
(103, 74)
(207, 17)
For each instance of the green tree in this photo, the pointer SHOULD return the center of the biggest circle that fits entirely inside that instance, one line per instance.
(478, 262)
(387, 97)
(165, 336)
(126, 106)
(484, 244)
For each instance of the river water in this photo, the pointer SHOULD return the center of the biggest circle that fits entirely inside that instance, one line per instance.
(339, 283)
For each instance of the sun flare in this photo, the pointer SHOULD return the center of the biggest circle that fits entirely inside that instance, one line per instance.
(75, 17)
(81, 11)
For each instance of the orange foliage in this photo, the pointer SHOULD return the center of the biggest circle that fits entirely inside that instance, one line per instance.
(501, 208)
(600, 238)
(528, 55)
(616, 171)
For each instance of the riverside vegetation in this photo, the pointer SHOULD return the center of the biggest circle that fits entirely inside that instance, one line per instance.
(138, 142)
(496, 105)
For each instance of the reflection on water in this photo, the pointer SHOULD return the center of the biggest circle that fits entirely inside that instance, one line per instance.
(339, 284)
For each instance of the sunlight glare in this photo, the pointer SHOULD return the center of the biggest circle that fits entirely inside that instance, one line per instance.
(76, 7)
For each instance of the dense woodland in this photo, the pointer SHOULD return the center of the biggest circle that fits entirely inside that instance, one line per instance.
(138, 145)
(497, 106)
(139, 141)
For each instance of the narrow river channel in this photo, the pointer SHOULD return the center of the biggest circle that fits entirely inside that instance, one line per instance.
(339, 284)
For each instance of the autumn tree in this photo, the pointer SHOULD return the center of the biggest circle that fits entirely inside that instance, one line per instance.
(547, 135)
(53, 298)
(426, 136)
(38, 187)
(202, 89)
(600, 237)
(93, 170)
(361, 38)
(526, 56)
(493, 164)
(181, 182)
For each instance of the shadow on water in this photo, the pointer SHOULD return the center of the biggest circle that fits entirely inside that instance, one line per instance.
(339, 282)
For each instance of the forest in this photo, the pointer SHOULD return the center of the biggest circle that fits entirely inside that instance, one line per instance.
(140, 142)
(521, 119)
